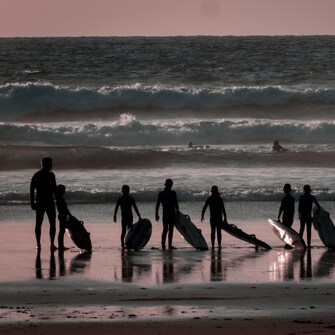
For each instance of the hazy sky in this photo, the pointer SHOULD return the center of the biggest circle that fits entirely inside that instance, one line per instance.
(166, 17)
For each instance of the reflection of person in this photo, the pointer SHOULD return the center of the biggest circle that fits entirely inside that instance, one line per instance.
(38, 266)
(127, 266)
(169, 201)
(44, 182)
(277, 147)
(63, 213)
(305, 212)
(126, 202)
(287, 207)
(217, 209)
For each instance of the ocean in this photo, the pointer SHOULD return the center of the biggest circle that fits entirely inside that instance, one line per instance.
(113, 111)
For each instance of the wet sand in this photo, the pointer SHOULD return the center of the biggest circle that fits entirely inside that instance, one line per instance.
(89, 307)
(233, 291)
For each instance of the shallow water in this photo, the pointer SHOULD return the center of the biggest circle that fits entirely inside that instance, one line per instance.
(237, 262)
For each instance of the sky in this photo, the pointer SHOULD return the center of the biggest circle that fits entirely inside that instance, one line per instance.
(29, 18)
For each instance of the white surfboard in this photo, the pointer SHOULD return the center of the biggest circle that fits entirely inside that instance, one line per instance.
(287, 235)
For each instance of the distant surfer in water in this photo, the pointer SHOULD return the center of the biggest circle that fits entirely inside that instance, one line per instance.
(168, 199)
(217, 209)
(277, 147)
(305, 212)
(191, 146)
(126, 202)
(44, 183)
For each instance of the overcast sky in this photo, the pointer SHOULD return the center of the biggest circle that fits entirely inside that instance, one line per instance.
(166, 17)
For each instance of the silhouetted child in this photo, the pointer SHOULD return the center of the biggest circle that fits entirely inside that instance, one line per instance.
(168, 199)
(63, 213)
(217, 209)
(287, 207)
(126, 202)
(305, 212)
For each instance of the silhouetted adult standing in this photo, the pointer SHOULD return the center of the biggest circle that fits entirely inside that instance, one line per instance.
(287, 207)
(169, 201)
(44, 183)
(305, 212)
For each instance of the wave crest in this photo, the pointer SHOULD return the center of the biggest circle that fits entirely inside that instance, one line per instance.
(18, 101)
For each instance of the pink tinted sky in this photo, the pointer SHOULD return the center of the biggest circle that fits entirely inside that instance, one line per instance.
(165, 17)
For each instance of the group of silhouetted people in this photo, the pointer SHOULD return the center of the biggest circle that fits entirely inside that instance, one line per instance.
(43, 183)
(43, 188)
(287, 209)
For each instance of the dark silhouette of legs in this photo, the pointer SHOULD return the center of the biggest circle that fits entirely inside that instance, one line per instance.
(38, 226)
(168, 226)
(309, 232)
(51, 212)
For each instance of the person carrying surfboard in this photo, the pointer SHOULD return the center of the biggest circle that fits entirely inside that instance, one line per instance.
(43, 183)
(217, 209)
(305, 212)
(286, 209)
(126, 202)
(168, 199)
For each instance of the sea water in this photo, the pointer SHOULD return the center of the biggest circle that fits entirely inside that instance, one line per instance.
(114, 111)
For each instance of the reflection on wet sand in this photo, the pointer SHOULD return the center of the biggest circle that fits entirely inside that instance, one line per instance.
(78, 264)
(284, 269)
(325, 265)
(159, 267)
(216, 265)
(168, 267)
(306, 265)
(39, 269)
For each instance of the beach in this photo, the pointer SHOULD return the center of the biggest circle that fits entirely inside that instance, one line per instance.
(114, 111)
(90, 308)
(236, 290)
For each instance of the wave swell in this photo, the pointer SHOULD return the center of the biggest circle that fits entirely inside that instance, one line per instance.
(19, 101)
(90, 157)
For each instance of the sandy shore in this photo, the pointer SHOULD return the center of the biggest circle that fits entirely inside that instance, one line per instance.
(74, 307)
(233, 291)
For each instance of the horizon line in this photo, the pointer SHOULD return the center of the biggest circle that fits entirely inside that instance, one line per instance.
(165, 36)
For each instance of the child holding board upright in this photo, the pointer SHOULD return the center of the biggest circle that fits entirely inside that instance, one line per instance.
(126, 202)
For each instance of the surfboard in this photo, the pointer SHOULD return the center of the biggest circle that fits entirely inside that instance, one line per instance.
(190, 233)
(324, 225)
(240, 234)
(288, 235)
(78, 233)
(139, 234)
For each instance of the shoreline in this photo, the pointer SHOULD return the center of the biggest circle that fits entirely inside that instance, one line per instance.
(74, 307)
(236, 290)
